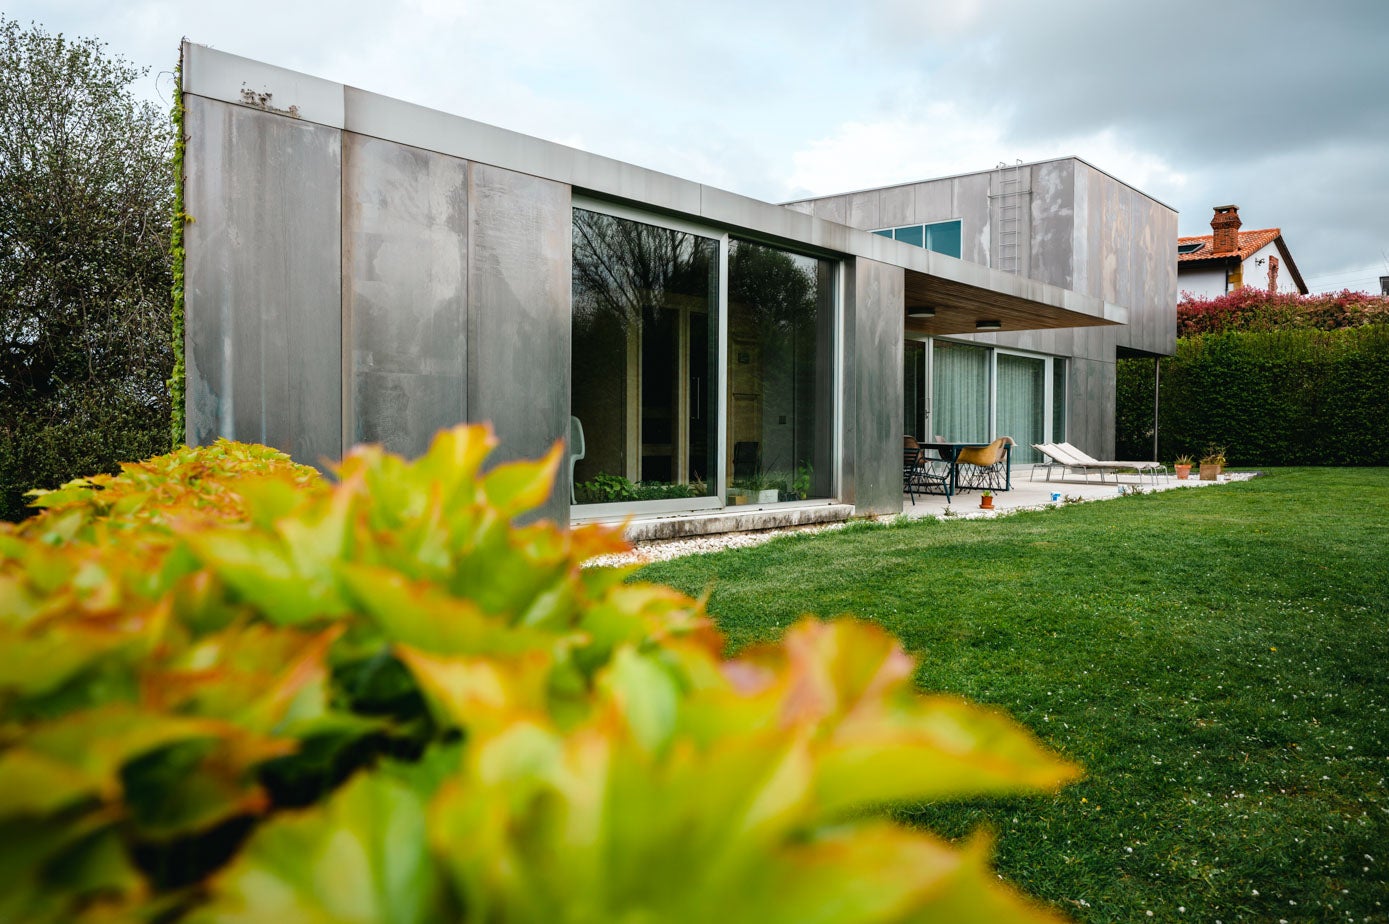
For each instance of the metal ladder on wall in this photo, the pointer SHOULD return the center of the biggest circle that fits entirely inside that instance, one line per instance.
(1006, 203)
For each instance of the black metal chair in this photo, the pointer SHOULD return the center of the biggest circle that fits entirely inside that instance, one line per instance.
(921, 474)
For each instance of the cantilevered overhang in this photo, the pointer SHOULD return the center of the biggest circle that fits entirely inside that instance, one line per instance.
(965, 298)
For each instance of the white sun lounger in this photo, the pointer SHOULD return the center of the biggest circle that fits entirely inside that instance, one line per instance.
(1071, 460)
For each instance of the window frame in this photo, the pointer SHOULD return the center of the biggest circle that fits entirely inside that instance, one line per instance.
(718, 501)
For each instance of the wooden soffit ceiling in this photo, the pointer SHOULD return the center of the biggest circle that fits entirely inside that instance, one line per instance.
(959, 307)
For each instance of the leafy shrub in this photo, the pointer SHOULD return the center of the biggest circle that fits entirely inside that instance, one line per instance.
(233, 690)
(607, 489)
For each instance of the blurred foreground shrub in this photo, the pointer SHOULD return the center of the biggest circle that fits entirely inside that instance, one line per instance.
(231, 690)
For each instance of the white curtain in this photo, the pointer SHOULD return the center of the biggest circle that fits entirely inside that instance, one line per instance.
(960, 409)
(1022, 403)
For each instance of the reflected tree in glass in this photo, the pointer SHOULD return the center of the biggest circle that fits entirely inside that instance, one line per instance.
(644, 326)
(780, 339)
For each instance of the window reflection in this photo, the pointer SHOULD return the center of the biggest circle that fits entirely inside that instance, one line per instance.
(645, 326)
(780, 326)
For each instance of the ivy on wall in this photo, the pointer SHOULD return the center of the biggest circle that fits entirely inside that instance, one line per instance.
(177, 385)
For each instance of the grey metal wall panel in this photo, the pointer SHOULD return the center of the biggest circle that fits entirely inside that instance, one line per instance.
(1091, 412)
(229, 78)
(405, 292)
(1052, 218)
(865, 211)
(519, 328)
(897, 206)
(935, 201)
(1081, 266)
(970, 196)
(264, 347)
(874, 375)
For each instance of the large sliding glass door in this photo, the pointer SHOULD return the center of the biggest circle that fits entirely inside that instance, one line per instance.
(702, 367)
(979, 393)
(780, 373)
(914, 394)
(643, 380)
(1022, 403)
(961, 392)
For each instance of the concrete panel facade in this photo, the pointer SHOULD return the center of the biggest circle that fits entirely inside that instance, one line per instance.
(873, 351)
(519, 331)
(262, 281)
(405, 292)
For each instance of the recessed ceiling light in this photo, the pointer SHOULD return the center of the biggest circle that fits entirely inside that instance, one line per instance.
(988, 325)
(921, 312)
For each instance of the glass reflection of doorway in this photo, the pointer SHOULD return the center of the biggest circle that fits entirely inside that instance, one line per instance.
(645, 311)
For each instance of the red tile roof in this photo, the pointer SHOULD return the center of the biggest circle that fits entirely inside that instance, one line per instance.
(1249, 243)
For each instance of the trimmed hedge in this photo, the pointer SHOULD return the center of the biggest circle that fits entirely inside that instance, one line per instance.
(1283, 397)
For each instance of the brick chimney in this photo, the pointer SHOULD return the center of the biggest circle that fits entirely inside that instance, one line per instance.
(1225, 224)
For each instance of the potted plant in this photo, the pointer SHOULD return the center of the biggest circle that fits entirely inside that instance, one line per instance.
(1183, 467)
(1213, 462)
(986, 500)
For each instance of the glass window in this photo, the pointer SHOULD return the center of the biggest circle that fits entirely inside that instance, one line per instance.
(780, 374)
(911, 234)
(941, 237)
(1058, 400)
(914, 390)
(645, 335)
(944, 237)
(1022, 405)
(960, 376)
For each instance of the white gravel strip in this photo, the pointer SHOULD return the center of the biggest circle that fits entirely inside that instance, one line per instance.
(665, 549)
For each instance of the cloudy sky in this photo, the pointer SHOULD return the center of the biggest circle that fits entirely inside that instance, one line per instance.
(1278, 106)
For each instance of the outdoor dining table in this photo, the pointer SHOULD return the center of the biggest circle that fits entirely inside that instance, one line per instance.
(951, 453)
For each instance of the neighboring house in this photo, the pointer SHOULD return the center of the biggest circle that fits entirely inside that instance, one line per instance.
(1064, 222)
(1209, 265)
(362, 268)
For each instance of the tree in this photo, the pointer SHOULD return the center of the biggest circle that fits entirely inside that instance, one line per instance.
(86, 191)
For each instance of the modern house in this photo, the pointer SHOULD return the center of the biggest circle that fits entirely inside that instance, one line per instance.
(1209, 265)
(360, 268)
(1063, 222)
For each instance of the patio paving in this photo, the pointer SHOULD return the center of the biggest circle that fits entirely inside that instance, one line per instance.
(1028, 494)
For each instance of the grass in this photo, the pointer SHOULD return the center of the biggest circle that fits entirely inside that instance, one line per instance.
(1217, 659)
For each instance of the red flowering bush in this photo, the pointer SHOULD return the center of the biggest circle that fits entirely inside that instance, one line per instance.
(1251, 309)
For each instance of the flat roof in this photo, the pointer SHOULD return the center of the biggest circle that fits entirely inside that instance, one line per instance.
(953, 283)
(957, 176)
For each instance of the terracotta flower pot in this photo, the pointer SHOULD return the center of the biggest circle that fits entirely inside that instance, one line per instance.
(986, 502)
(1183, 472)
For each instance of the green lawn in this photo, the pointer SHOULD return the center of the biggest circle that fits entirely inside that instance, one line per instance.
(1217, 659)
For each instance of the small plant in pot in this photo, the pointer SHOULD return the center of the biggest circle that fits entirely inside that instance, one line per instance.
(986, 500)
(1183, 467)
(1213, 462)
